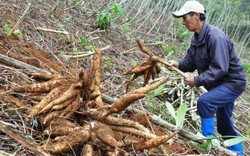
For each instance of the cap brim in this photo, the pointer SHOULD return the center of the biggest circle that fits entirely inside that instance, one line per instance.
(180, 13)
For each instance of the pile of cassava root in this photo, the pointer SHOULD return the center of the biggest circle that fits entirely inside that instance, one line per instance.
(58, 100)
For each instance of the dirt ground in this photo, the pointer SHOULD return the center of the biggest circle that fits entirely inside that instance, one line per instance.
(52, 49)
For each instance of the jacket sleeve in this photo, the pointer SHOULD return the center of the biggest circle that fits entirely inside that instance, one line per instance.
(187, 64)
(219, 49)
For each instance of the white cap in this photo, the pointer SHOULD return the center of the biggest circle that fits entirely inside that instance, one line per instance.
(189, 6)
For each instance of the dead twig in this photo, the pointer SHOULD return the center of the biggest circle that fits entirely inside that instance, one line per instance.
(85, 54)
(51, 30)
(80, 2)
(22, 140)
(20, 20)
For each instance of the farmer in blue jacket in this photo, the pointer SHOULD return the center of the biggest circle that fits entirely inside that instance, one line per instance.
(219, 70)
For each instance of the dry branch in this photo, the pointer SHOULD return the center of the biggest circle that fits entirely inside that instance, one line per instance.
(21, 18)
(18, 64)
(157, 59)
(54, 31)
(22, 140)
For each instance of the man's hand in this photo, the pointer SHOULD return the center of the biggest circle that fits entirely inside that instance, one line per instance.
(190, 81)
(172, 64)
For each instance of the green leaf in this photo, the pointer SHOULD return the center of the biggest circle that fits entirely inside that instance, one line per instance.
(68, 19)
(18, 32)
(34, 122)
(248, 131)
(170, 109)
(84, 41)
(75, 49)
(180, 115)
(207, 145)
(236, 140)
(91, 48)
(118, 9)
(7, 27)
(7, 30)
(133, 63)
(61, 26)
(158, 90)
(215, 143)
(62, 52)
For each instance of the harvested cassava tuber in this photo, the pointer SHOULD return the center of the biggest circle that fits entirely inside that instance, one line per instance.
(153, 142)
(63, 105)
(70, 93)
(104, 133)
(133, 131)
(123, 103)
(87, 150)
(60, 127)
(97, 79)
(143, 48)
(50, 116)
(144, 90)
(65, 143)
(53, 94)
(121, 122)
(41, 76)
(43, 87)
(69, 111)
(148, 69)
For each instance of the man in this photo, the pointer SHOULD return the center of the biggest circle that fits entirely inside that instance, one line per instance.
(211, 52)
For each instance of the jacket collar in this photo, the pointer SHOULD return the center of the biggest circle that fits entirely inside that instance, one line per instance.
(198, 39)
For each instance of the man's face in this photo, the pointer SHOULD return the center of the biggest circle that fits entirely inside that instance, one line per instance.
(190, 22)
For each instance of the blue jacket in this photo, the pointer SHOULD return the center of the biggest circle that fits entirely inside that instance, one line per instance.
(212, 54)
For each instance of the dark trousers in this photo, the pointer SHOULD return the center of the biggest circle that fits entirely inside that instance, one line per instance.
(219, 100)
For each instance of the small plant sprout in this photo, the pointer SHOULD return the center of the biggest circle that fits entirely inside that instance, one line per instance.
(133, 63)
(7, 30)
(84, 41)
